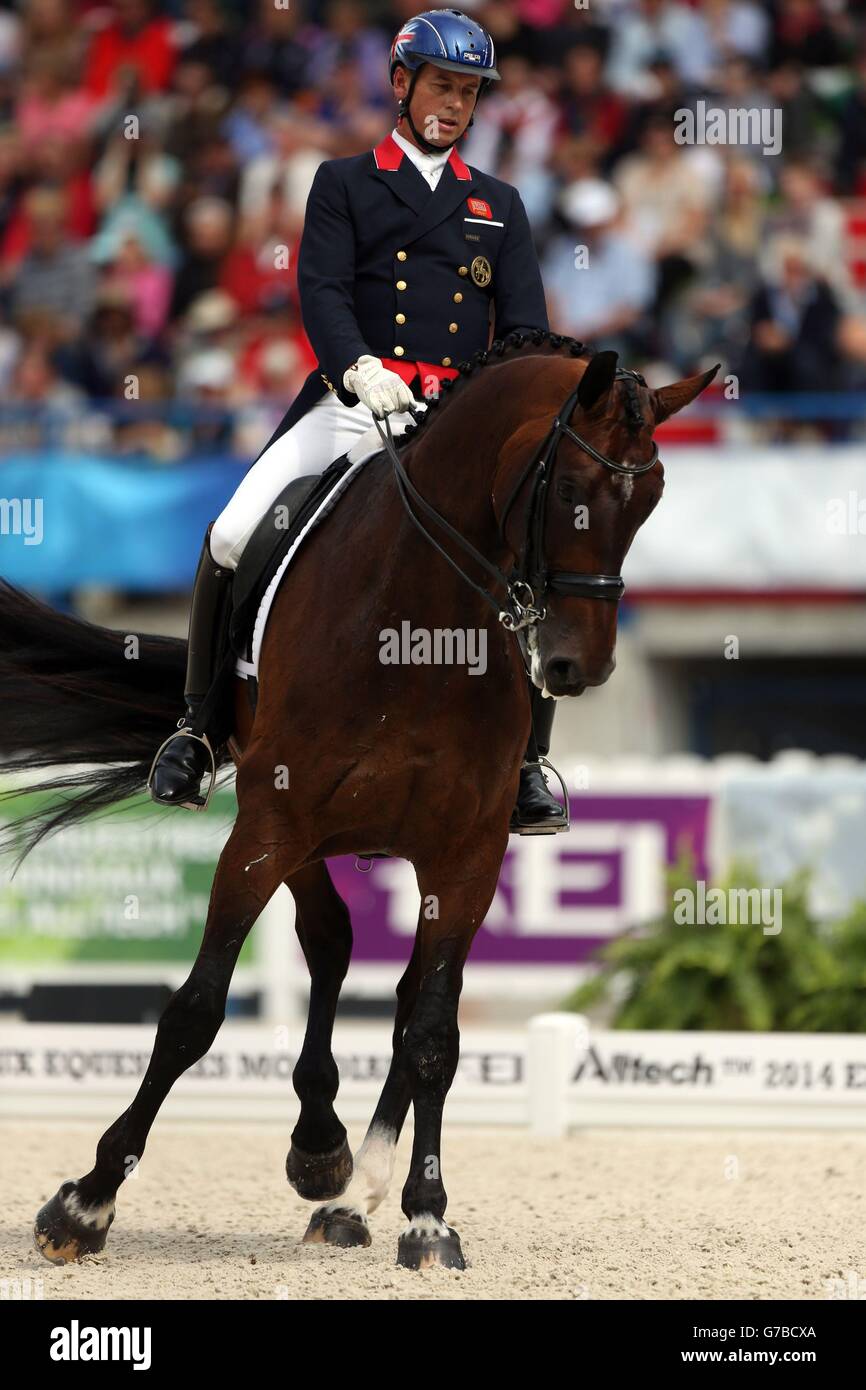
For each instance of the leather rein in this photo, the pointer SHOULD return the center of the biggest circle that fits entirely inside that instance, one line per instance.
(530, 581)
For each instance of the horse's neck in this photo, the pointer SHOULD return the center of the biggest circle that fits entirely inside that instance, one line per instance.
(454, 463)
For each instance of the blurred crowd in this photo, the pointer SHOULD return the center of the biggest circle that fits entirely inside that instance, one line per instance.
(156, 156)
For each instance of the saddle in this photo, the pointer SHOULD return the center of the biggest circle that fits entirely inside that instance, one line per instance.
(264, 553)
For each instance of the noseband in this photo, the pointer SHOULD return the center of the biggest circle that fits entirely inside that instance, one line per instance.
(529, 583)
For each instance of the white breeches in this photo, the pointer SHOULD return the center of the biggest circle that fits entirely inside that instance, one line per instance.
(327, 431)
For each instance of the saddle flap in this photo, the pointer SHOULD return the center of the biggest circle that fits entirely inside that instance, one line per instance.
(267, 546)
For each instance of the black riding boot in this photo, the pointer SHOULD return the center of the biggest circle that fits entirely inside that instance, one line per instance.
(182, 761)
(537, 812)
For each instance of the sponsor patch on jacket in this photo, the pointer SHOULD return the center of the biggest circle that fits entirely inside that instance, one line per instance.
(478, 207)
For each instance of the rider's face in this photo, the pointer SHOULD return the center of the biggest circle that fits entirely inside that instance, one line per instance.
(442, 102)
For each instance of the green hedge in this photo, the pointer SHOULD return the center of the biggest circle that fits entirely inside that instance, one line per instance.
(808, 977)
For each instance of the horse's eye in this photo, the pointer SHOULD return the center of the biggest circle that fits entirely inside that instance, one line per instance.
(565, 490)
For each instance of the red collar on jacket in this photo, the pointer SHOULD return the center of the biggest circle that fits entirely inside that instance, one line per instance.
(388, 155)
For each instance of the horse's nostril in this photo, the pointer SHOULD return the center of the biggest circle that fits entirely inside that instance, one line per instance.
(562, 670)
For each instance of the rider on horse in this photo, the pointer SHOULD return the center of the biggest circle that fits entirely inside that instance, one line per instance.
(396, 284)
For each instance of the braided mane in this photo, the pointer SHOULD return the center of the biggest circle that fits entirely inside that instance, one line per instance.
(511, 346)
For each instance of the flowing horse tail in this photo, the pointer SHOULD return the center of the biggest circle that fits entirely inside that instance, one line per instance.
(74, 693)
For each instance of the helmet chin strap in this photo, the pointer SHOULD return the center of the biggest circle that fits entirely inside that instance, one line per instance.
(425, 144)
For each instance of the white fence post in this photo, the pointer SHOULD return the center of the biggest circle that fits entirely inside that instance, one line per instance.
(282, 973)
(550, 1062)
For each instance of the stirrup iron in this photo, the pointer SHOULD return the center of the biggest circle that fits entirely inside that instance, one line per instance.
(186, 732)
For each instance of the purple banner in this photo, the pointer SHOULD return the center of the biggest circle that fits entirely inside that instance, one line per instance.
(559, 896)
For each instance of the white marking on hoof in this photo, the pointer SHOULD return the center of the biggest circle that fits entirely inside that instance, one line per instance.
(371, 1175)
(97, 1218)
(426, 1226)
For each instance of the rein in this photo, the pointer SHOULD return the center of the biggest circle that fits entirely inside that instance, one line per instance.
(527, 586)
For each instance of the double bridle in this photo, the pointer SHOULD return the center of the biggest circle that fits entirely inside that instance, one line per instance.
(528, 584)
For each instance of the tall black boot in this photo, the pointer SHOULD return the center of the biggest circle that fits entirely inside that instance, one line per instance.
(182, 761)
(536, 811)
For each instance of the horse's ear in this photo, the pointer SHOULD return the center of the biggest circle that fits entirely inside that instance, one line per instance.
(597, 379)
(670, 399)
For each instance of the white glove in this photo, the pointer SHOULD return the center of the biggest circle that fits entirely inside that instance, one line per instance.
(381, 390)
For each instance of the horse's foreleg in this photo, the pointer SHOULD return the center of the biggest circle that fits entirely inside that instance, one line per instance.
(76, 1220)
(456, 895)
(344, 1221)
(319, 1162)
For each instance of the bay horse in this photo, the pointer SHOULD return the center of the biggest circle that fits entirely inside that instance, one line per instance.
(415, 761)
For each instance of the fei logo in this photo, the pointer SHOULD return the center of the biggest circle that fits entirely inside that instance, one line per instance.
(478, 207)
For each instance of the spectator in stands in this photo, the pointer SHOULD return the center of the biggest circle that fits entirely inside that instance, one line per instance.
(213, 45)
(208, 235)
(54, 277)
(667, 195)
(106, 354)
(287, 170)
(851, 158)
(260, 270)
(804, 33)
(711, 320)
(658, 26)
(278, 45)
(598, 282)
(513, 133)
(135, 184)
(247, 124)
(801, 110)
(51, 107)
(12, 184)
(209, 383)
(136, 48)
(818, 220)
(348, 38)
(147, 284)
(794, 323)
(735, 29)
(197, 110)
(588, 105)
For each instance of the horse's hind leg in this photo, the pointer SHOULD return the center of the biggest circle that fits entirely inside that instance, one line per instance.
(76, 1220)
(319, 1162)
(374, 1161)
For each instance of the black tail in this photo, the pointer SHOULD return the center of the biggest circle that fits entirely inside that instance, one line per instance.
(74, 693)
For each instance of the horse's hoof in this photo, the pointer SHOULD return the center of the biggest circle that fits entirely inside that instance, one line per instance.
(65, 1230)
(429, 1242)
(319, 1177)
(337, 1226)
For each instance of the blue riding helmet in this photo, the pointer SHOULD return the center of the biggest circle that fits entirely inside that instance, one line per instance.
(447, 39)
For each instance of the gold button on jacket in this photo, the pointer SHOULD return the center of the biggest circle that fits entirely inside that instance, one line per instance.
(453, 328)
(398, 351)
(400, 318)
(401, 284)
(401, 256)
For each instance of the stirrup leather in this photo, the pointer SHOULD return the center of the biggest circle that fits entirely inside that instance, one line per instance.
(186, 732)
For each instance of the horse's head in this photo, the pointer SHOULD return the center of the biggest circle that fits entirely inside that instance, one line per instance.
(572, 530)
